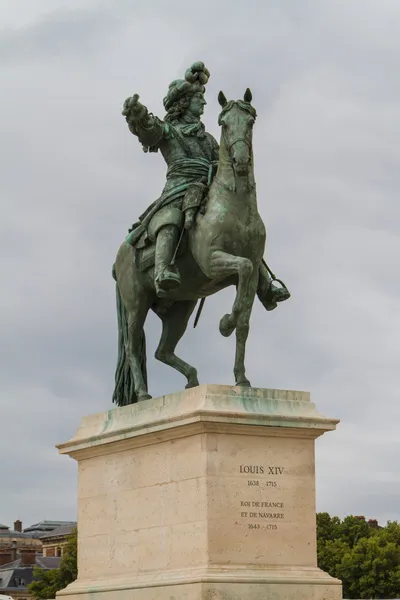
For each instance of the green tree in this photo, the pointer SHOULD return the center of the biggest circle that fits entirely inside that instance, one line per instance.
(327, 527)
(372, 568)
(68, 569)
(366, 559)
(352, 529)
(331, 554)
(392, 530)
(45, 584)
(48, 582)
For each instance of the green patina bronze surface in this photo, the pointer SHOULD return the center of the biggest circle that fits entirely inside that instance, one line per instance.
(202, 234)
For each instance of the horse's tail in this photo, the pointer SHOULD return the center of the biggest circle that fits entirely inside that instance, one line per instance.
(124, 391)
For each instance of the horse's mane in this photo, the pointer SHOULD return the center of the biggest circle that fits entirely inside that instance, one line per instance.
(246, 106)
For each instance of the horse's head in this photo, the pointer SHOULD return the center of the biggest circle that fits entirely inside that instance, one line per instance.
(237, 119)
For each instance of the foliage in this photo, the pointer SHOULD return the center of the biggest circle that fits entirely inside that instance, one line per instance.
(327, 527)
(68, 569)
(47, 582)
(331, 555)
(365, 558)
(352, 529)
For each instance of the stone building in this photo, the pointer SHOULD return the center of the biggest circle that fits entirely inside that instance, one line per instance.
(55, 541)
(14, 540)
(23, 549)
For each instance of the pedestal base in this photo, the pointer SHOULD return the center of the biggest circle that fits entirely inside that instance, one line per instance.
(290, 584)
(207, 494)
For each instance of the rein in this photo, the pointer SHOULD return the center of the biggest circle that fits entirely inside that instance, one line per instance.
(230, 159)
(230, 146)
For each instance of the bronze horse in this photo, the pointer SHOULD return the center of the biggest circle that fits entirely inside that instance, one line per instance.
(225, 248)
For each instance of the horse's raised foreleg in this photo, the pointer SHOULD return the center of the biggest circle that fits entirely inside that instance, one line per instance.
(242, 331)
(223, 265)
(175, 322)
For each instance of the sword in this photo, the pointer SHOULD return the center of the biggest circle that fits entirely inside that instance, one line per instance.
(199, 312)
(177, 247)
(173, 264)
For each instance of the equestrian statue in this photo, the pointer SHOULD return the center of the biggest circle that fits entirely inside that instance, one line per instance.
(203, 234)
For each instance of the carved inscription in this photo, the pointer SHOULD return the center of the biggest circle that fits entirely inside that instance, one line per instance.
(265, 509)
(260, 470)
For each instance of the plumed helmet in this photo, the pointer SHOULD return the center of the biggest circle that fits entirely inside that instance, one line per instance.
(195, 80)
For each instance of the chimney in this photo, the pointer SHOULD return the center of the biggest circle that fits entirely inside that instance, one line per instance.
(373, 523)
(6, 556)
(18, 526)
(28, 557)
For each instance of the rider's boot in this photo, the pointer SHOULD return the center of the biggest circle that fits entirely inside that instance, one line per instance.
(166, 276)
(268, 293)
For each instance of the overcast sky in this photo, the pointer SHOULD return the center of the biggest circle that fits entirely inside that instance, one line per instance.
(325, 81)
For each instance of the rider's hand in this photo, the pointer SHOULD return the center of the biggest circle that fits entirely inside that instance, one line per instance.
(133, 109)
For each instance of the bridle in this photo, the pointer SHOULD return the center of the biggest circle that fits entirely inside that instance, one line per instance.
(242, 106)
(240, 139)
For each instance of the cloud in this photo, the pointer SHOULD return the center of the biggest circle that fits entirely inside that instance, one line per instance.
(324, 82)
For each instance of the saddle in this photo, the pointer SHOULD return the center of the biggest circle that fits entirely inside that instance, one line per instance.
(194, 198)
(145, 252)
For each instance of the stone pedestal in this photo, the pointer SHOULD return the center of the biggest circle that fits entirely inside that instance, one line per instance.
(206, 494)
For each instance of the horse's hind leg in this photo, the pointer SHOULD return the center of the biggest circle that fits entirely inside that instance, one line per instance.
(175, 322)
(136, 351)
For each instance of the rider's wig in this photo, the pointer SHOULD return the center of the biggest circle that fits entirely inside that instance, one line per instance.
(180, 91)
(178, 109)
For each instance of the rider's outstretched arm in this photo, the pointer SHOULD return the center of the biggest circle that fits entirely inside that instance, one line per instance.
(144, 125)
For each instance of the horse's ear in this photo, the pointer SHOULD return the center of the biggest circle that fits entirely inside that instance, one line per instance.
(222, 99)
(248, 96)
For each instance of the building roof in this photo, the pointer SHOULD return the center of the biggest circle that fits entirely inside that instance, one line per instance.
(48, 562)
(59, 532)
(10, 533)
(44, 527)
(14, 576)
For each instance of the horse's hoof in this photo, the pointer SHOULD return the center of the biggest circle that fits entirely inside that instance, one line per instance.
(191, 384)
(226, 326)
(192, 380)
(144, 397)
(243, 383)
